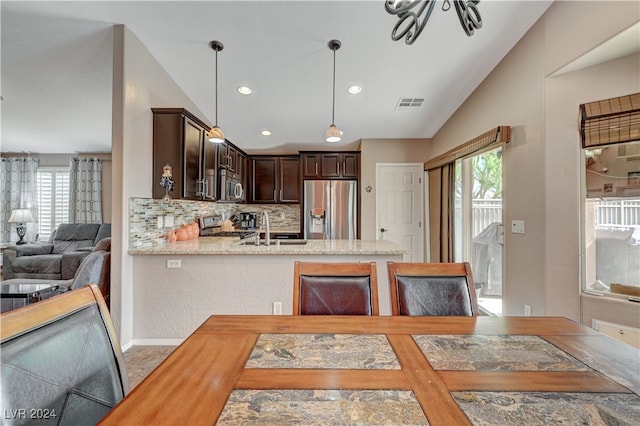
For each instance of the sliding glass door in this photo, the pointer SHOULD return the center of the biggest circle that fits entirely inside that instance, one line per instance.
(478, 231)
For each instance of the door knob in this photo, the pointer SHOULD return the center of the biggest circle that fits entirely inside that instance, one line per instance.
(383, 230)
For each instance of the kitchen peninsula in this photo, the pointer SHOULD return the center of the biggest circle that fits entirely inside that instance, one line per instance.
(178, 285)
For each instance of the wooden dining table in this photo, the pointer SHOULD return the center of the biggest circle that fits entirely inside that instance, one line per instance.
(389, 370)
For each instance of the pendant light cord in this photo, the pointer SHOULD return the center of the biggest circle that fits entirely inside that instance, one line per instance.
(333, 108)
(216, 88)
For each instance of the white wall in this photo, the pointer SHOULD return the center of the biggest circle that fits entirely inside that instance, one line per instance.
(140, 83)
(540, 165)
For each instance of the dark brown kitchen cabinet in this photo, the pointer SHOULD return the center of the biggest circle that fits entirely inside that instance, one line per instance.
(275, 179)
(264, 171)
(228, 156)
(179, 139)
(330, 165)
(351, 165)
(241, 167)
(290, 179)
(310, 166)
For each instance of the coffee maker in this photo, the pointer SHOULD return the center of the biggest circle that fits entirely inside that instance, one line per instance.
(248, 220)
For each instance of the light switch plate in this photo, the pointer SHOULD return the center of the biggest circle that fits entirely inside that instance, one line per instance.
(517, 226)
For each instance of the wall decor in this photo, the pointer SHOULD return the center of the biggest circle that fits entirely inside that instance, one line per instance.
(167, 182)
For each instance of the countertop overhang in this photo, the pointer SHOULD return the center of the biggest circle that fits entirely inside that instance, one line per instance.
(223, 245)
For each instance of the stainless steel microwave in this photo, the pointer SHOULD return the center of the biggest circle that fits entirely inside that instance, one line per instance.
(230, 187)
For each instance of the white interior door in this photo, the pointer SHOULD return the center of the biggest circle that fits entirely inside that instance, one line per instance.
(400, 206)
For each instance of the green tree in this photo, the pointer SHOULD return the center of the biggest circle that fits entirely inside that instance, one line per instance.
(487, 175)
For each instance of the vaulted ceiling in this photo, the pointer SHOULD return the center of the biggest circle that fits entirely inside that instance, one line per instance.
(57, 67)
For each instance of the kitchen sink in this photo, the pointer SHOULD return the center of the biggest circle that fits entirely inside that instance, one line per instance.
(283, 242)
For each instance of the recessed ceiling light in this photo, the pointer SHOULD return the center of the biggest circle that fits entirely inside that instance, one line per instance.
(354, 90)
(244, 90)
(265, 133)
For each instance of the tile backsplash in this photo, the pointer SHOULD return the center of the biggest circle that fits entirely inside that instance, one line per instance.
(146, 214)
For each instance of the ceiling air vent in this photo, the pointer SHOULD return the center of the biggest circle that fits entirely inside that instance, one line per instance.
(408, 103)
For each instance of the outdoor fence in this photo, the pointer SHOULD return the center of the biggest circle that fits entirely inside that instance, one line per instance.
(609, 213)
(618, 213)
(485, 212)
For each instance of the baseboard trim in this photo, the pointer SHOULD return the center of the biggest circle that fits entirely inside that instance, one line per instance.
(157, 342)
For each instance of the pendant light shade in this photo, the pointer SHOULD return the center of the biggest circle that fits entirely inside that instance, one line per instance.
(333, 133)
(216, 135)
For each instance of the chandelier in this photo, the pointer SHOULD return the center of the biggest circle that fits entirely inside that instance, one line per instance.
(411, 20)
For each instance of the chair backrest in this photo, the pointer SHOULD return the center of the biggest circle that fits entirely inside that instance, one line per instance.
(96, 269)
(335, 288)
(61, 357)
(424, 289)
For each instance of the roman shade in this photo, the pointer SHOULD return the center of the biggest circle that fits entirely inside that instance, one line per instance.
(610, 121)
(494, 136)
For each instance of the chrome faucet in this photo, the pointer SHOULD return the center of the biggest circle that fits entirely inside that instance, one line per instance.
(267, 233)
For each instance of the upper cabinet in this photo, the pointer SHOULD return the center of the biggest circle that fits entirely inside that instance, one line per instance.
(275, 179)
(228, 156)
(179, 140)
(330, 165)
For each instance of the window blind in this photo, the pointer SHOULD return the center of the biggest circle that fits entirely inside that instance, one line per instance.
(610, 121)
(53, 200)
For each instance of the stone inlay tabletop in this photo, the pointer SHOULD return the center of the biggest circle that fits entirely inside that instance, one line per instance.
(549, 408)
(343, 351)
(499, 353)
(326, 407)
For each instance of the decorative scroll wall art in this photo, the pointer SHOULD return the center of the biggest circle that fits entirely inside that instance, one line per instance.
(413, 16)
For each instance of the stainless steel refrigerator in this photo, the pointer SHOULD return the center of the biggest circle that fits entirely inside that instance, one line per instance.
(330, 209)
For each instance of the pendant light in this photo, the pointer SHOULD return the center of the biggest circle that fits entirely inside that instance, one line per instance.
(333, 133)
(216, 135)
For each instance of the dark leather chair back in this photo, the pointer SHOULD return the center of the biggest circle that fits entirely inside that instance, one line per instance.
(335, 289)
(61, 357)
(432, 289)
(96, 269)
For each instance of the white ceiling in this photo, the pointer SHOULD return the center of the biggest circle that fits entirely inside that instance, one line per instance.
(56, 68)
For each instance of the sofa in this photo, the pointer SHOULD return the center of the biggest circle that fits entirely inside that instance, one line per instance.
(95, 268)
(59, 258)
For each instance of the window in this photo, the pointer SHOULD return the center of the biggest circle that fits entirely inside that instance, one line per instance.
(612, 219)
(53, 200)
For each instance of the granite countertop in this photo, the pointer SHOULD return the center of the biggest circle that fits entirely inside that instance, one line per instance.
(226, 245)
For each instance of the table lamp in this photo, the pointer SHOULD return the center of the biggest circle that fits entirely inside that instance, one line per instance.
(21, 216)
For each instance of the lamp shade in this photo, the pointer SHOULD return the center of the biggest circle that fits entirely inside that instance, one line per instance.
(333, 134)
(21, 216)
(215, 135)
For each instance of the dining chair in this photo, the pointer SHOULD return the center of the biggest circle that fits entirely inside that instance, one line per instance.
(335, 288)
(61, 361)
(425, 289)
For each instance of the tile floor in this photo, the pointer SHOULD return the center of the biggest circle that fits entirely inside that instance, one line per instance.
(141, 360)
